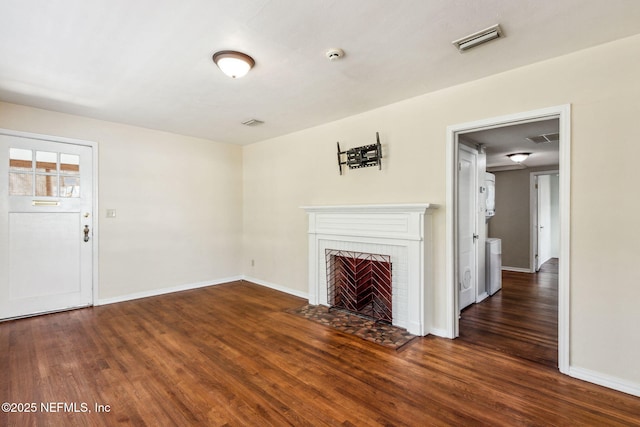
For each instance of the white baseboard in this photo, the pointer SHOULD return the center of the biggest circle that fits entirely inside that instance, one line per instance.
(605, 380)
(284, 289)
(442, 333)
(483, 296)
(179, 288)
(516, 269)
(162, 291)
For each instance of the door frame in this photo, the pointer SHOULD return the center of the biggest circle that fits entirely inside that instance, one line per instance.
(533, 216)
(95, 235)
(563, 114)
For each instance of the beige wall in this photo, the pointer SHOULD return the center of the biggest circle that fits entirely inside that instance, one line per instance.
(178, 201)
(284, 173)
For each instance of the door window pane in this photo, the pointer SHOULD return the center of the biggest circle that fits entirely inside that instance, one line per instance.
(20, 184)
(46, 162)
(46, 186)
(69, 164)
(20, 160)
(69, 186)
(55, 174)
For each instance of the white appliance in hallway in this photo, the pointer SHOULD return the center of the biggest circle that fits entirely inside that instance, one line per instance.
(493, 265)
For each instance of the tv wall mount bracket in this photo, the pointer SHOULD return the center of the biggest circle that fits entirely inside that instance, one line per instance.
(361, 157)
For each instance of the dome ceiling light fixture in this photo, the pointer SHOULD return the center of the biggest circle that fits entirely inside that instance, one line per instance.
(233, 64)
(519, 157)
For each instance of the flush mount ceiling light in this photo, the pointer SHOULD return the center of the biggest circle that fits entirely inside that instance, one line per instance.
(233, 64)
(478, 38)
(519, 157)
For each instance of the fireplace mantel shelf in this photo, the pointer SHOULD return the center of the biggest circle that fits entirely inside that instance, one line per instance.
(382, 208)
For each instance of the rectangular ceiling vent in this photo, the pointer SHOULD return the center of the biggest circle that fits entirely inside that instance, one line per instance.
(476, 39)
(545, 138)
(252, 122)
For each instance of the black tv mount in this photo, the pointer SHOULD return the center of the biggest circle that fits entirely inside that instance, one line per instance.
(361, 157)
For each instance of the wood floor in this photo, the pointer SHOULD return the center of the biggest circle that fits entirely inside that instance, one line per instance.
(231, 355)
(521, 319)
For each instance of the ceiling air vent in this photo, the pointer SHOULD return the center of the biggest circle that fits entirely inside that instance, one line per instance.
(252, 122)
(544, 138)
(476, 39)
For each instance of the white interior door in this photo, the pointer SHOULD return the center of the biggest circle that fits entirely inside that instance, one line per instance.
(46, 225)
(467, 221)
(544, 219)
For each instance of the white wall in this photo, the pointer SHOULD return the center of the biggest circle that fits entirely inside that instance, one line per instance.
(178, 202)
(284, 173)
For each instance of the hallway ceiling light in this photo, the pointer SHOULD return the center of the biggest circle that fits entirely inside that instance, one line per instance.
(233, 64)
(519, 157)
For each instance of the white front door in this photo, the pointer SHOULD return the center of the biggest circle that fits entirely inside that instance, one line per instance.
(46, 226)
(467, 220)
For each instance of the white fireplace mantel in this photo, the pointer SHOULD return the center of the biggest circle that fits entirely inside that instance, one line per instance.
(402, 231)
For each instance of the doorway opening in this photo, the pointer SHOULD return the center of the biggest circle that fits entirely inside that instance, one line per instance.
(545, 217)
(462, 135)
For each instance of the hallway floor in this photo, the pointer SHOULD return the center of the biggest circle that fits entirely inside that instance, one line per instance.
(521, 319)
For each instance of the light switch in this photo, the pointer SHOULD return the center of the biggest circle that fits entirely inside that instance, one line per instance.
(111, 213)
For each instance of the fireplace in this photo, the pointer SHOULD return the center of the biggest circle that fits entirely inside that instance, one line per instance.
(400, 235)
(360, 283)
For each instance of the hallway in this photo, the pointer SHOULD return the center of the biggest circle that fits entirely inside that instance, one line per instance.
(521, 319)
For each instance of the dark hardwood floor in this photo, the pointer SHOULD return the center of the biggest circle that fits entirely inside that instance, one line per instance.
(521, 319)
(231, 355)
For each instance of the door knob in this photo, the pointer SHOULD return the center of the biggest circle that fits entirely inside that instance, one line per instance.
(86, 233)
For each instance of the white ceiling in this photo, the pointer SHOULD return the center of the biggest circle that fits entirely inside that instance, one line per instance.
(148, 62)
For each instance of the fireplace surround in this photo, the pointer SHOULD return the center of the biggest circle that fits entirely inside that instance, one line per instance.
(401, 232)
